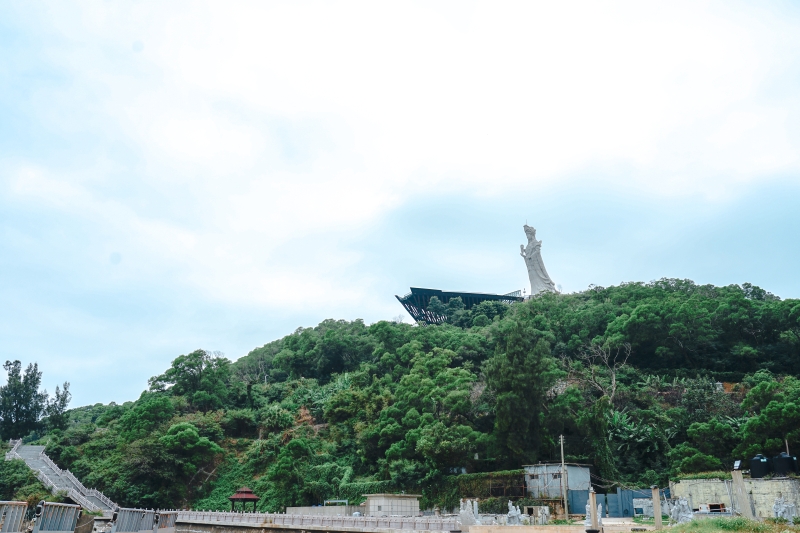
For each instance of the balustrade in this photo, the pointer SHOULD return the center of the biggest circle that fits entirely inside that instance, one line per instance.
(359, 522)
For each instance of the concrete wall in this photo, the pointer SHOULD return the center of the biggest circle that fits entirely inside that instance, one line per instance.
(328, 510)
(762, 492)
(392, 505)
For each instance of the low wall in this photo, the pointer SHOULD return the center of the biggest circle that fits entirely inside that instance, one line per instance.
(574, 528)
(762, 492)
(225, 522)
(186, 527)
(327, 510)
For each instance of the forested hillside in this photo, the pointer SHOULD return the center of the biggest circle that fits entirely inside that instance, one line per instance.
(645, 381)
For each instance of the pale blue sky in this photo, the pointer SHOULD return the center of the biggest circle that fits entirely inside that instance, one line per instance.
(190, 175)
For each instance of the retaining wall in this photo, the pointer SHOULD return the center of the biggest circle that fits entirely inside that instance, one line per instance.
(327, 510)
(762, 492)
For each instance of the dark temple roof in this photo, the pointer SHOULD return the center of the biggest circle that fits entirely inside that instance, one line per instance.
(416, 302)
(244, 495)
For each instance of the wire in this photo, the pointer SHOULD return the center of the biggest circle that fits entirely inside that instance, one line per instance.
(613, 483)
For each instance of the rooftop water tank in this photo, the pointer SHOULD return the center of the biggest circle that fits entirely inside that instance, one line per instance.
(784, 464)
(760, 466)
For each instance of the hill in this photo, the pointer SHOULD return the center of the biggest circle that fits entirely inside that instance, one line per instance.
(645, 380)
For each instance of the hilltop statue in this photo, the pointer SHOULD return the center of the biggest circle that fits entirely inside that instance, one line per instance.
(532, 253)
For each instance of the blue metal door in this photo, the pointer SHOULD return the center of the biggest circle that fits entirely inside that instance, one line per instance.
(613, 506)
(577, 500)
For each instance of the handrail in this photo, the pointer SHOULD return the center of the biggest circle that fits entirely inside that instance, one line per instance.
(79, 494)
(72, 493)
(80, 488)
(364, 522)
(103, 498)
(12, 453)
(78, 497)
(49, 462)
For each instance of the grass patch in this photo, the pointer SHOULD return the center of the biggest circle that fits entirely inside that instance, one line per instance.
(737, 523)
(704, 475)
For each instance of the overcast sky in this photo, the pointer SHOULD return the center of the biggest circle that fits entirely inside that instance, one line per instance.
(182, 175)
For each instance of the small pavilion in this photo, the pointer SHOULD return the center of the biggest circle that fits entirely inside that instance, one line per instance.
(244, 495)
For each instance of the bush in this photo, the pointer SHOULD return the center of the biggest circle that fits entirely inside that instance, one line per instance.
(736, 523)
(493, 506)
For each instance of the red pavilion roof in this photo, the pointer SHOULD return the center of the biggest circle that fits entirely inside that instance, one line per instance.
(244, 495)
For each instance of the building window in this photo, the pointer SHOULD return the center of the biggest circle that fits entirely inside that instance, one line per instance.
(556, 476)
(379, 507)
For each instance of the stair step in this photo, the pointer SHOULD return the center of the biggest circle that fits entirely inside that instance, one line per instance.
(31, 456)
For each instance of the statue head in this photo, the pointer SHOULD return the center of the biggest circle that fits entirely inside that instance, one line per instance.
(530, 232)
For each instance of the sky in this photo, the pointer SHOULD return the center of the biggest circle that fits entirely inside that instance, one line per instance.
(183, 175)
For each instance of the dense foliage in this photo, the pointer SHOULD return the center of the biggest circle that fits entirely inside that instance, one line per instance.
(22, 404)
(644, 380)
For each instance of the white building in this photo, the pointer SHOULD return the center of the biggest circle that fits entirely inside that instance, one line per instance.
(543, 481)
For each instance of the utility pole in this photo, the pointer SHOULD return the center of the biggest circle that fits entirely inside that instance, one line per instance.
(564, 480)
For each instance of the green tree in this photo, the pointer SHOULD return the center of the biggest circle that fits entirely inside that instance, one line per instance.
(436, 306)
(287, 477)
(776, 417)
(201, 377)
(520, 374)
(185, 442)
(56, 409)
(146, 415)
(21, 403)
(686, 459)
(716, 437)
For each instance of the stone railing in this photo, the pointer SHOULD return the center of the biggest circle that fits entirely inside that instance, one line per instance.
(103, 498)
(12, 453)
(81, 489)
(49, 462)
(83, 501)
(73, 494)
(358, 522)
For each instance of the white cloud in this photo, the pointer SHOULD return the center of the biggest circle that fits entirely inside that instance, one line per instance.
(258, 138)
(469, 95)
(272, 122)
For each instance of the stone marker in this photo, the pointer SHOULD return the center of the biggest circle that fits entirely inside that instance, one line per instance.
(657, 506)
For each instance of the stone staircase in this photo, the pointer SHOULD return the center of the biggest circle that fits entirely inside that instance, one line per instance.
(57, 480)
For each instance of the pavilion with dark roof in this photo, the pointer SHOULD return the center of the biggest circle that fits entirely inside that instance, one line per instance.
(244, 495)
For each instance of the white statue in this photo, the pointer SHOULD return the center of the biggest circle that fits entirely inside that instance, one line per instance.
(468, 513)
(588, 521)
(542, 515)
(514, 515)
(532, 253)
(681, 513)
(783, 509)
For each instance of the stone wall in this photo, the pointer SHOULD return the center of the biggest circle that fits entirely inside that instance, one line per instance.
(327, 510)
(762, 492)
(574, 528)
